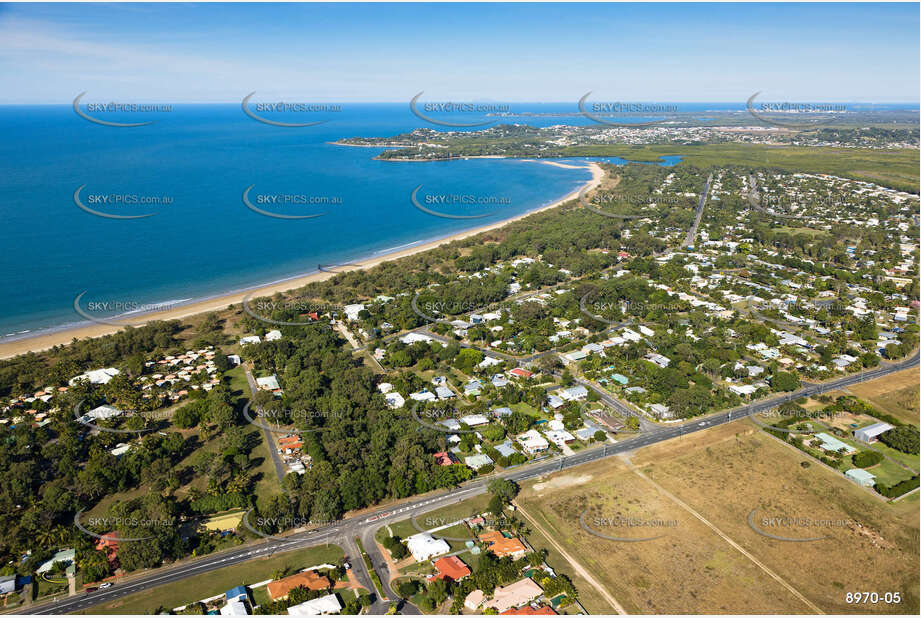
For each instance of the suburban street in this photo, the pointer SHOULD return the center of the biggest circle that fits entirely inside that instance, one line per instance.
(269, 441)
(364, 526)
(692, 233)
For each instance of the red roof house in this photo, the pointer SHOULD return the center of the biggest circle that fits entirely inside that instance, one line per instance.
(444, 459)
(450, 567)
(521, 373)
(527, 610)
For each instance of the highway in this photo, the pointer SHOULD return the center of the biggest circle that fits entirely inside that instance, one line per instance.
(364, 525)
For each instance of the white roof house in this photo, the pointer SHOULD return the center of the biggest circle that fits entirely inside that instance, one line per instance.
(474, 420)
(475, 462)
(96, 376)
(742, 389)
(410, 338)
(533, 442)
(235, 607)
(422, 395)
(861, 477)
(120, 449)
(394, 400)
(351, 311)
(658, 359)
(268, 383)
(833, 444)
(423, 546)
(870, 433)
(450, 423)
(316, 607)
(574, 393)
(444, 392)
(103, 412)
(489, 361)
(250, 339)
(559, 437)
(273, 335)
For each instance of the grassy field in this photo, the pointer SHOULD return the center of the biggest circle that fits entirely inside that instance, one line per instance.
(216, 582)
(437, 518)
(688, 569)
(724, 474)
(894, 168)
(896, 394)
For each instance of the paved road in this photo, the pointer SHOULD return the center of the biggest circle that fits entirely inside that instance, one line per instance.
(645, 424)
(365, 525)
(380, 566)
(692, 233)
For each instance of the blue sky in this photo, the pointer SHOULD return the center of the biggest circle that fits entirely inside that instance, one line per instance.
(507, 52)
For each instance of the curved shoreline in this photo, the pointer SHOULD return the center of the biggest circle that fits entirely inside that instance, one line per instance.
(44, 341)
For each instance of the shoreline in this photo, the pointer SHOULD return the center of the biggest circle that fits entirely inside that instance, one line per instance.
(44, 341)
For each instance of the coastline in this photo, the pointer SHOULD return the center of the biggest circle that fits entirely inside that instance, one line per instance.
(47, 340)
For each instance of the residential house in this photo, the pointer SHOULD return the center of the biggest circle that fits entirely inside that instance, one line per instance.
(532, 442)
(424, 546)
(861, 477)
(317, 607)
(501, 545)
(450, 567)
(519, 593)
(311, 580)
(475, 462)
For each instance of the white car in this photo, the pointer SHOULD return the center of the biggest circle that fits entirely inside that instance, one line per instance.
(105, 585)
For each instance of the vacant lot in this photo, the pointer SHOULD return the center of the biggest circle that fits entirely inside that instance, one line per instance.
(687, 569)
(724, 474)
(896, 394)
(216, 582)
(868, 544)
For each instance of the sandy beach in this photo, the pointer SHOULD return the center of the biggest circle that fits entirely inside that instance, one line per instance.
(45, 341)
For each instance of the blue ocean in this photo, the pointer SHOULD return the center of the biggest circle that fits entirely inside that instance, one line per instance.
(202, 240)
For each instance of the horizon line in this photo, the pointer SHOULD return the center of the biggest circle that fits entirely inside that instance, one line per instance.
(459, 100)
